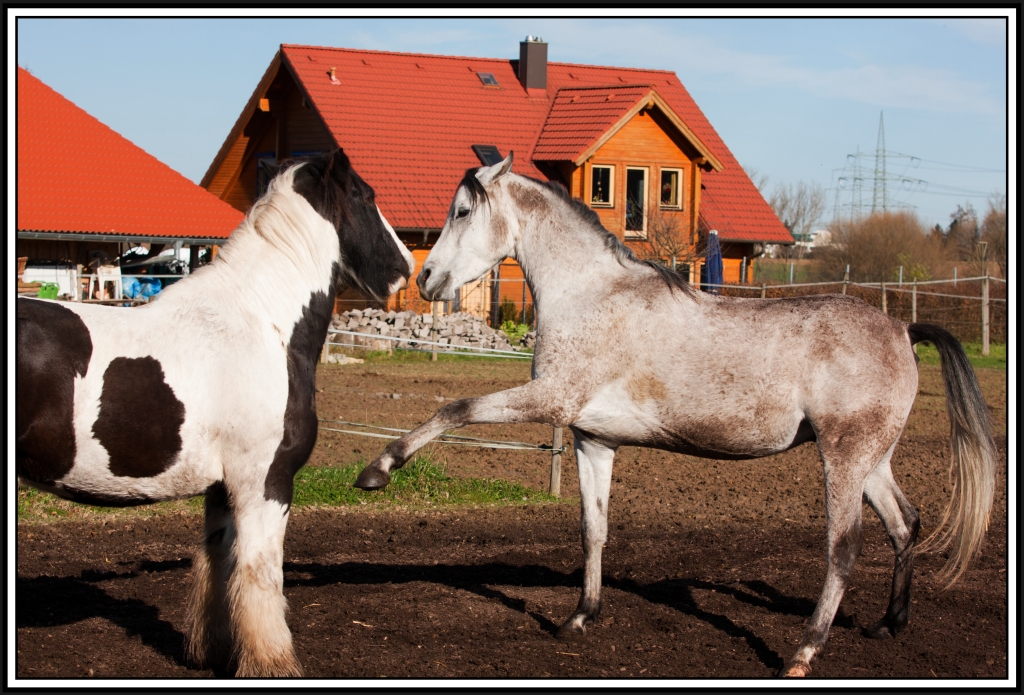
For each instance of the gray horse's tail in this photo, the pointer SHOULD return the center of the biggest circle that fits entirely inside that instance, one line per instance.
(972, 467)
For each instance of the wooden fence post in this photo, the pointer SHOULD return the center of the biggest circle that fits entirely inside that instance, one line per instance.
(433, 332)
(764, 289)
(555, 486)
(984, 316)
(885, 307)
(982, 249)
(913, 307)
(325, 350)
(846, 278)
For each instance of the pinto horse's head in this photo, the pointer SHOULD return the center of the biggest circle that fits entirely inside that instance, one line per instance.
(476, 236)
(372, 257)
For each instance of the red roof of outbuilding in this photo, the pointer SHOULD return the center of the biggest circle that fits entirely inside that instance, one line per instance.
(408, 121)
(76, 175)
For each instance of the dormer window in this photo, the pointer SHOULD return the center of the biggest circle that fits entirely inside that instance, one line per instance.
(488, 79)
(602, 179)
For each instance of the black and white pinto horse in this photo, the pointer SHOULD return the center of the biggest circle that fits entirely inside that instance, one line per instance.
(629, 354)
(210, 390)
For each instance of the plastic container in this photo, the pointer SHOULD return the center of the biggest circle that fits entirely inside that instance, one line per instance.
(49, 290)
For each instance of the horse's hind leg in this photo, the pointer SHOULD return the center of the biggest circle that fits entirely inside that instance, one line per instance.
(845, 472)
(902, 524)
(262, 640)
(594, 462)
(208, 634)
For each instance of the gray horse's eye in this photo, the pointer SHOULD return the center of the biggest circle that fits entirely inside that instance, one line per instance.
(462, 212)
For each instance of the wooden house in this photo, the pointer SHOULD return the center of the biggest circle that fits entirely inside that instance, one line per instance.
(630, 143)
(85, 193)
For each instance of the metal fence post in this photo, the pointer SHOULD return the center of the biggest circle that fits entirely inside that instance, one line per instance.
(433, 332)
(555, 486)
(846, 278)
(764, 290)
(885, 307)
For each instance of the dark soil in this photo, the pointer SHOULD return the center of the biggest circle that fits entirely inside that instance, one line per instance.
(711, 568)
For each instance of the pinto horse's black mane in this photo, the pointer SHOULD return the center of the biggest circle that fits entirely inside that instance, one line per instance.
(589, 218)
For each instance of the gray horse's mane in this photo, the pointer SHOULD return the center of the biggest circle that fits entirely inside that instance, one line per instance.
(623, 254)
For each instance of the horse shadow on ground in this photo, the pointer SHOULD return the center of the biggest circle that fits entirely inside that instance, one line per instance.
(53, 601)
(677, 594)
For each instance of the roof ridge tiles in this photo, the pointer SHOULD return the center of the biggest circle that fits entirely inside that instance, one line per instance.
(460, 57)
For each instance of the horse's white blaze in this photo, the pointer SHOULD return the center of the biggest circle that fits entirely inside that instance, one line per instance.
(401, 282)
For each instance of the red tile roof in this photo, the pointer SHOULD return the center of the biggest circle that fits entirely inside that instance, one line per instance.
(580, 116)
(408, 121)
(76, 175)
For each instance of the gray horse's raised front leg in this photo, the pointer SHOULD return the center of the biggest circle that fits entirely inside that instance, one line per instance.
(532, 402)
(594, 462)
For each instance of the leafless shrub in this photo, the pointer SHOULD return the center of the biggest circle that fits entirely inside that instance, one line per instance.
(876, 246)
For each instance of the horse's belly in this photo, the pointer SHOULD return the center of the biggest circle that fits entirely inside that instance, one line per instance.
(616, 418)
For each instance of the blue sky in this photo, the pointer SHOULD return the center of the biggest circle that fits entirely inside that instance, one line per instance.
(791, 97)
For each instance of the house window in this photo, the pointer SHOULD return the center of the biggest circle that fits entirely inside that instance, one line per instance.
(266, 167)
(636, 196)
(601, 180)
(670, 187)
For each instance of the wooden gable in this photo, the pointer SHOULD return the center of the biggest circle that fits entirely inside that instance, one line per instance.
(279, 122)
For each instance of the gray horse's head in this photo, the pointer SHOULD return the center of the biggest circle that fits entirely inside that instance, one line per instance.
(476, 236)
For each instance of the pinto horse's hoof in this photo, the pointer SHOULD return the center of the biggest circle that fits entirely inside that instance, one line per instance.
(797, 670)
(372, 479)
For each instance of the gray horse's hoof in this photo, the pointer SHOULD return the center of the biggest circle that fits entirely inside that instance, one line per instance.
(573, 629)
(880, 630)
(372, 479)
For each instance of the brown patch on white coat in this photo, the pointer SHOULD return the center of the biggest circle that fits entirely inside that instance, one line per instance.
(629, 354)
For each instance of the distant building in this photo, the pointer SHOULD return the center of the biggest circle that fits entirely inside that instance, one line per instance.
(630, 143)
(86, 194)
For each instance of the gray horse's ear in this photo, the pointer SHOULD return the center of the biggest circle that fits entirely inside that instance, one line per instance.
(492, 173)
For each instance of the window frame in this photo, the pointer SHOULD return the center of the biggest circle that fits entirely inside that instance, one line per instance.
(634, 233)
(679, 189)
(611, 186)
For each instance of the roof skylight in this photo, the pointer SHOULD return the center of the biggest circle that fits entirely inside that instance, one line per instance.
(488, 79)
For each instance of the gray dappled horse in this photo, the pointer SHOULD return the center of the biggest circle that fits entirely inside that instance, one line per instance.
(629, 354)
(210, 390)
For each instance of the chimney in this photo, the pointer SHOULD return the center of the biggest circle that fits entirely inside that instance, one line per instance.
(533, 63)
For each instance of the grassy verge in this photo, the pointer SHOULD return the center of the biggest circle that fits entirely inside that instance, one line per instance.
(421, 484)
(996, 358)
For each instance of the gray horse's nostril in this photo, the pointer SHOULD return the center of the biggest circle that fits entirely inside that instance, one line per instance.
(421, 280)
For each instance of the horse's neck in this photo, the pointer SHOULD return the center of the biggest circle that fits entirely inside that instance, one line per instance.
(564, 261)
(278, 279)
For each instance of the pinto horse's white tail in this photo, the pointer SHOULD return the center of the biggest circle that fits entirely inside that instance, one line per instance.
(972, 466)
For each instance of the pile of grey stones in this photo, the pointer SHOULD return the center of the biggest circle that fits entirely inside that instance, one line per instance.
(458, 329)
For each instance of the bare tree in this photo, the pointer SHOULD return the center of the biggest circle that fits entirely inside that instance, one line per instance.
(757, 178)
(668, 240)
(993, 231)
(962, 237)
(799, 206)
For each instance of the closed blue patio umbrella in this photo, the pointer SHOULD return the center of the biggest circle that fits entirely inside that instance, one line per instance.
(713, 262)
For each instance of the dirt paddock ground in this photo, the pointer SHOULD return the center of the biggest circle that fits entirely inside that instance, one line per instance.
(710, 571)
